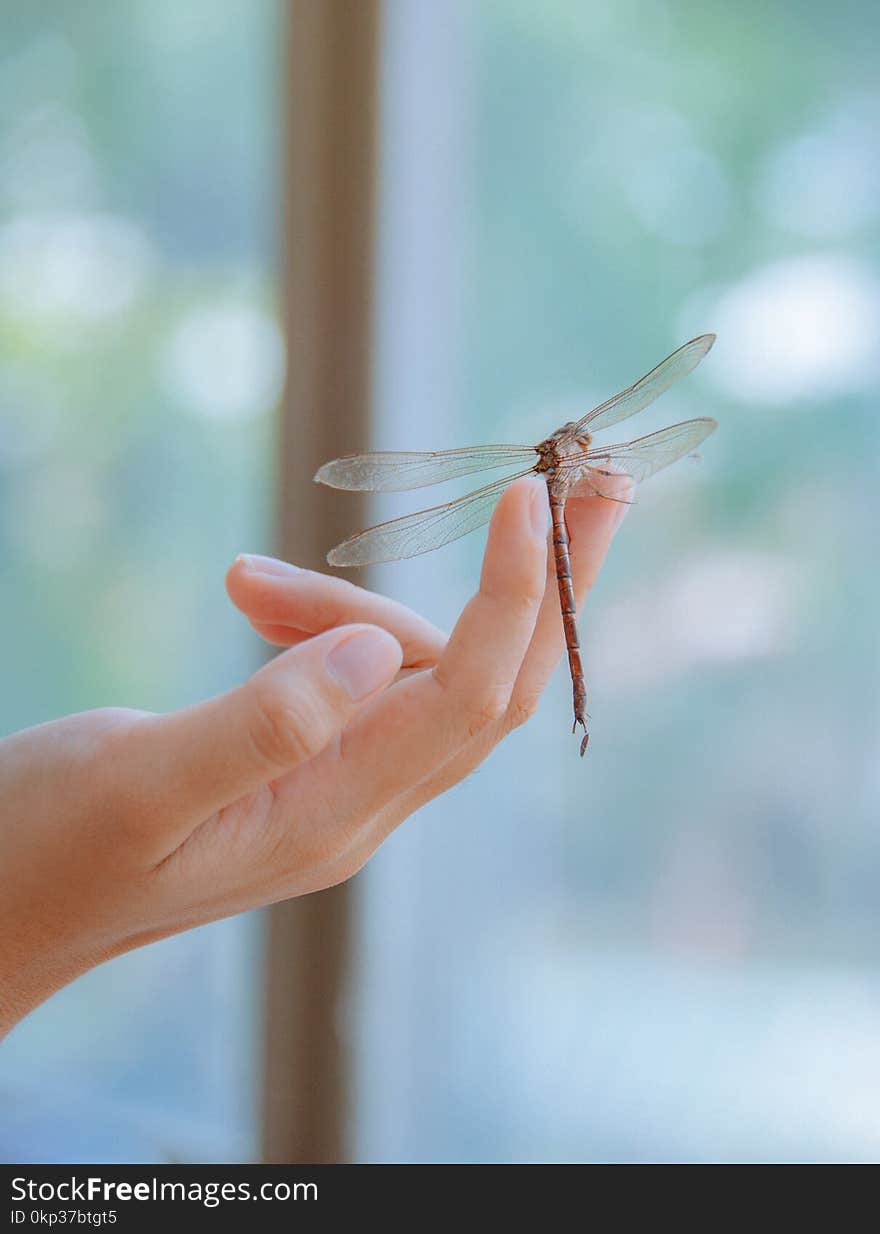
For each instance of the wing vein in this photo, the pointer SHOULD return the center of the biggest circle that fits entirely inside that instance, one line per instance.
(395, 471)
(420, 532)
(639, 396)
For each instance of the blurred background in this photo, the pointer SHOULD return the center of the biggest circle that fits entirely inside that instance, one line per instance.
(668, 951)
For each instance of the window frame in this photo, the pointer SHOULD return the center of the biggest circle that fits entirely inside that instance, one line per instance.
(331, 58)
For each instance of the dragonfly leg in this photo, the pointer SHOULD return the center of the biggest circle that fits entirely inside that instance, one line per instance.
(612, 475)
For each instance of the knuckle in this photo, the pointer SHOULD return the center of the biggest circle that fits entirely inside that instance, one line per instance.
(531, 597)
(488, 709)
(285, 730)
(109, 718)
(120, 801)
(474, 712)
(522, 709)
(103, 735)
(521, 601)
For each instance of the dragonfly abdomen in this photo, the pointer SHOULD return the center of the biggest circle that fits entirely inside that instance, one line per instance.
(568, 606)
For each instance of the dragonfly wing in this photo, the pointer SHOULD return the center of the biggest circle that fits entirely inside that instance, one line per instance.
(601, 481)
(394, 471)
(651, 386)
(641, 458)
(423, 531)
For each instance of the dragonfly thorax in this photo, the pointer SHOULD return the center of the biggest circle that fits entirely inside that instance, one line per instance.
(557, 455)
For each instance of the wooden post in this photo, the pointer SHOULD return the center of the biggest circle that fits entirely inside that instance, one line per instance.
(331, 153)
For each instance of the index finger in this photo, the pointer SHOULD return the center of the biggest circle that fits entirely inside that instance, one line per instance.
(287, 605)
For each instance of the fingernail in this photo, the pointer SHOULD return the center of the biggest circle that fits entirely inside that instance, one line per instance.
(258, 564)
(539, 509)
(364, 662)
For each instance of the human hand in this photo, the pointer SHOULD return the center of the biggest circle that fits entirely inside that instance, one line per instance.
(120, 827)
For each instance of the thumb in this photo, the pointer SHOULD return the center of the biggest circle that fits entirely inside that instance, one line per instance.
(209, 755)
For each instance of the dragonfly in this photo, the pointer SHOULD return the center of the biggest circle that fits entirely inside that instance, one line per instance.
(569, 462)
